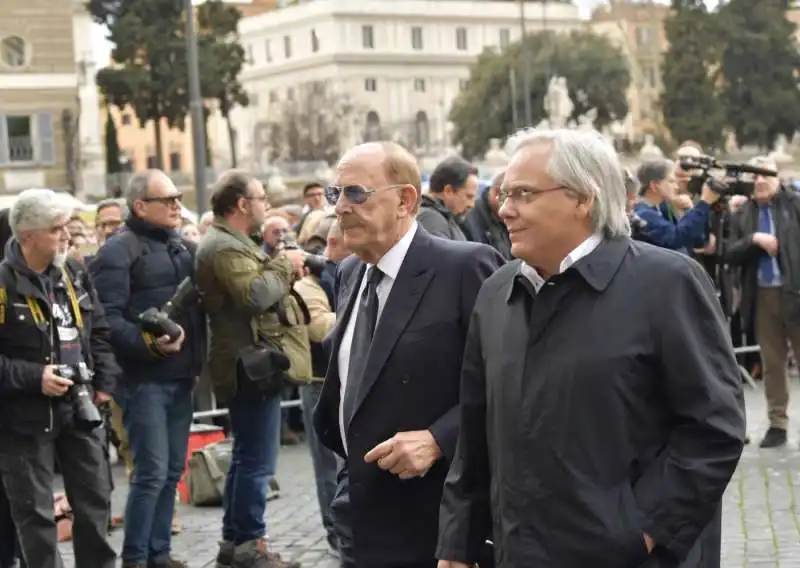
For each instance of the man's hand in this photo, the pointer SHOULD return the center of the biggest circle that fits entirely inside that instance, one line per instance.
(406, 454)
(298, 258)
(168, 346)
(52, 384)
(710, 248)
(682, 202)
(100, 398)
(649, 543)
(767, 242)
(708, 195)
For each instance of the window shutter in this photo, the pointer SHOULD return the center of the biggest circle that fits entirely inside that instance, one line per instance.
(44, 126)
(4, 150)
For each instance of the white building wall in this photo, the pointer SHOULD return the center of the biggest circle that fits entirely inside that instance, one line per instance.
(392, 62)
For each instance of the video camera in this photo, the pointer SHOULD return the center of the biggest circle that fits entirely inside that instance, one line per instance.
(315, 263)
(87, 416)
(737, 179)
(161, 322)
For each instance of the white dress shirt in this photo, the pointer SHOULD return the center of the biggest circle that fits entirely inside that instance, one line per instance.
(389, 265)
(583, 249)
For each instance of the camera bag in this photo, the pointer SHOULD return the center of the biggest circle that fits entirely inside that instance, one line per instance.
(208, 468)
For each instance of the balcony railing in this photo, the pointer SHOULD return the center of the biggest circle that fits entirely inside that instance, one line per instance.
(20, 148)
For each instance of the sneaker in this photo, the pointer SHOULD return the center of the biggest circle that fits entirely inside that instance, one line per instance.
(225, 554)
(254, 554)
(774, 438)
(273, 489)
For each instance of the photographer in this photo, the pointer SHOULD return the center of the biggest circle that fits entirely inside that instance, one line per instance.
(242, 292)
(137, 269)
(658, 186)
(764, 242)
(52, 327)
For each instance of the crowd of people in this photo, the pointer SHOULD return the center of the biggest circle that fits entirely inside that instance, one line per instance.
(494, 375)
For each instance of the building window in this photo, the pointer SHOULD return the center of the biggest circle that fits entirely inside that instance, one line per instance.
(152, 162)
(462, 84)
(370, 85)
(419, 85)
(20, 140)
(643, 36)
(250, 59)
(287, 47)
(368, 37)
(314, 41)
(651, 77)
(273, 96)
(174, 161)
(290, 94)
(14, 51)
(416, 37)
(268, 51)
(126, 119)
(505, 38)
(461, 39)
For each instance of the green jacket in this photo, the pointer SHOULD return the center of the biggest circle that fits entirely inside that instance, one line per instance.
(239, 285)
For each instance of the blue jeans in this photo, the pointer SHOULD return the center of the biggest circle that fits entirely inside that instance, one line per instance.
(255, 426)
(325, 462)
(157, 417)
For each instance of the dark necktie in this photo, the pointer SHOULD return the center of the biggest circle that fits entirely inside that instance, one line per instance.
(366, 319)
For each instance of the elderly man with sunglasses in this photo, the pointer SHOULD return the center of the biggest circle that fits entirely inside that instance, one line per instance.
(138, 268)
(388, 406)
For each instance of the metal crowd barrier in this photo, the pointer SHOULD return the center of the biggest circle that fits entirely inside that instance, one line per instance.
(224, 411)
(744, 350)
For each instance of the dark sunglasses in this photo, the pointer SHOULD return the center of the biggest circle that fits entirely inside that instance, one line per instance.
(355, 194)
(167, 200)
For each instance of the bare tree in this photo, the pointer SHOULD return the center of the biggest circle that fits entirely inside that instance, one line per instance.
(312, 126)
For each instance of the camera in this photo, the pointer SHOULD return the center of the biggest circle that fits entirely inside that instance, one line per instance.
(736, 178)
(315, 263)
(87, 416)
(161, 322)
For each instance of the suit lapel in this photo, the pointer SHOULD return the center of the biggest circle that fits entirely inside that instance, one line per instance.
(413, 279)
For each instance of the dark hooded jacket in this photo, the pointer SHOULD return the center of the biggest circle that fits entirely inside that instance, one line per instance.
(485, 227)
(27, 346)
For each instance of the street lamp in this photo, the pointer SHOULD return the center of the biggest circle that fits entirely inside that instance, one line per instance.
(196, 108)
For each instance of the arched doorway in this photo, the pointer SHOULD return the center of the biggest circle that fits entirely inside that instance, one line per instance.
(372, 130)
(422, 130)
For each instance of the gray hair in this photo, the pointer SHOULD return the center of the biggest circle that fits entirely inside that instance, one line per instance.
(653, 171)
(498, 178)
(764, 162)
(37, 209)
(587, 165)
(106, 203)
(138, 186)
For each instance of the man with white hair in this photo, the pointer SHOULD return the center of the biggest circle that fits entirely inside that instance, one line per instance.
(764, 243)
(52, 327)
(597, 427)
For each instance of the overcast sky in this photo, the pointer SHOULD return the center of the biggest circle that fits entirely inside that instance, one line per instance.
(103, 48)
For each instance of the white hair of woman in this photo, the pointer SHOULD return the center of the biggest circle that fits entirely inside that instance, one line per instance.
(587, 165)
(37, 209)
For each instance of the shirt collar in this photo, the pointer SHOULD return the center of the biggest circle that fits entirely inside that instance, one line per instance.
(391, 262)
(582, 250)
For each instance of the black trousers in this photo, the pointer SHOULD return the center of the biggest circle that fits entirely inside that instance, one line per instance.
(26, 468)
(9, 548)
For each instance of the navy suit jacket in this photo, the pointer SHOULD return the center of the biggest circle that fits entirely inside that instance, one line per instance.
(411, 382)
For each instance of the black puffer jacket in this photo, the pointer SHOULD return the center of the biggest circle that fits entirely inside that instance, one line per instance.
(485, 227)
(438, 220)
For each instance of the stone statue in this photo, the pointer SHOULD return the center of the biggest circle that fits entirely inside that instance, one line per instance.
(544, 124)
(780, 150)
(731, 145)
(557, 103)
(649, 149)
(495, 155)
(586, 121)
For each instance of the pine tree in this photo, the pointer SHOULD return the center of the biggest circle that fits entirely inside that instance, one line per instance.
(690, 100)
(112, 147)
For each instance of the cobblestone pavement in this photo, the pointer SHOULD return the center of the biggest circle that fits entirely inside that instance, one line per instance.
(761, 516)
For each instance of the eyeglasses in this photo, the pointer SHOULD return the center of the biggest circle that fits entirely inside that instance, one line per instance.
(166, 200)
(524, 195)
(261, 198)
(355, 194)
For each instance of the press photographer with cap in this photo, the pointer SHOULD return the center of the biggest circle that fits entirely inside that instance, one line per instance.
(658, 185)
(52, 327)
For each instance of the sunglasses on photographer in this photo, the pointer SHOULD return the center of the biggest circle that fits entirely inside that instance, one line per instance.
(355, 193)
